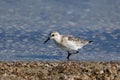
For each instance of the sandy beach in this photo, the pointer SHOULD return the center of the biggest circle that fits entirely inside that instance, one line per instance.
(62, 70)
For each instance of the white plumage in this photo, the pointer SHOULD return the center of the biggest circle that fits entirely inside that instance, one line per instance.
(67, 42)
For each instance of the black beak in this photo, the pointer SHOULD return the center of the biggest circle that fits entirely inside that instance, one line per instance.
(46, 40)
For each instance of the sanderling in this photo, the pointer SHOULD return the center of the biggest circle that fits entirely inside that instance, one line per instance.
(66, 42)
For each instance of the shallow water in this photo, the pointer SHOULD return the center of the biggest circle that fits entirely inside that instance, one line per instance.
(25, 24)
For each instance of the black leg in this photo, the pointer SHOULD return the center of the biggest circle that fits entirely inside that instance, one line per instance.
(69, 54)
(77, 52)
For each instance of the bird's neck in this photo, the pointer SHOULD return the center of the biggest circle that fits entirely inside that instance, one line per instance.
(58, 39)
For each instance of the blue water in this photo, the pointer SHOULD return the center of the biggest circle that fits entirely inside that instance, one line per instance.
(25, 24)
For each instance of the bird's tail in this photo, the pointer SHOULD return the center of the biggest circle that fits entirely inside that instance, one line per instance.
(90, 41)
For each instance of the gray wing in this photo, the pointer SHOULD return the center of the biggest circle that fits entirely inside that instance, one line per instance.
(77, 40)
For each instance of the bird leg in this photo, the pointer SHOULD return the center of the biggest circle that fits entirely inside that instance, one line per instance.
(77, 52)
(69, 54)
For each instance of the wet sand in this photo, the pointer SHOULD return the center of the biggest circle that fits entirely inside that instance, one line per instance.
(62, 70)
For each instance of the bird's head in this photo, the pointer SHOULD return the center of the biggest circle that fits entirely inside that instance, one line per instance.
(53, 36)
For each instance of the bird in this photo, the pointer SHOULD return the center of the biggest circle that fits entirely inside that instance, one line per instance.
(67, 42)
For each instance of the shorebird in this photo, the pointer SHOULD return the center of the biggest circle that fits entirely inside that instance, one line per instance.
(67, 43)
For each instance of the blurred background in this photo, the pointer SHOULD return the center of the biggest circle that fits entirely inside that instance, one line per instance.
(25, 24)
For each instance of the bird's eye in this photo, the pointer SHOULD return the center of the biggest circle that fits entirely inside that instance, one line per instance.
(53, 35)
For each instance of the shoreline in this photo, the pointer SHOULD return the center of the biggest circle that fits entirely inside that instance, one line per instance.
(59, 70)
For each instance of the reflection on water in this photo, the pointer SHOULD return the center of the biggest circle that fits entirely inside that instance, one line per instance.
(24, 25)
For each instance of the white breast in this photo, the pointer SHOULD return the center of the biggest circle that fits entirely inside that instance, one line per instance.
(61, 46)
(72, 46)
